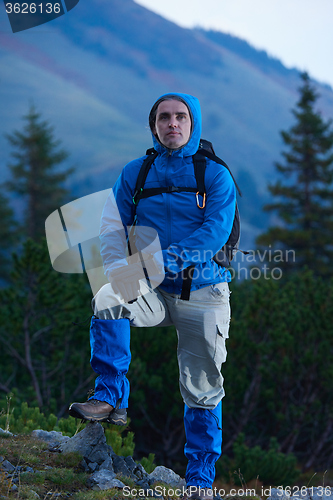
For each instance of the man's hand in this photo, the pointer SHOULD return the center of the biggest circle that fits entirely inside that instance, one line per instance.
(125, 280)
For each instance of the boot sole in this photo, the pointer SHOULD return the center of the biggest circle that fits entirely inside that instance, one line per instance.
(92, 418)
(117, 421)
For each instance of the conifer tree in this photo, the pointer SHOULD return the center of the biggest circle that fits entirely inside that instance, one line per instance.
(304, 196)
(37, 334)
(8, 236)
(34, 176)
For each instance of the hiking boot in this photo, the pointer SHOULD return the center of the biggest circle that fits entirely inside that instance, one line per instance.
(100, 411)
(118, 416)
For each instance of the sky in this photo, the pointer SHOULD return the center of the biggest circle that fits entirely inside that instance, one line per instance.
(298, 32)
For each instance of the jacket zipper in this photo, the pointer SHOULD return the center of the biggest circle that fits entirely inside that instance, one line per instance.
(168, 201)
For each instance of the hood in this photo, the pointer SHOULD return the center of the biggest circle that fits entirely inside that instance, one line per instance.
(191, 147)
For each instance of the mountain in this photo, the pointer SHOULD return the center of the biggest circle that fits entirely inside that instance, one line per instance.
(95, 73)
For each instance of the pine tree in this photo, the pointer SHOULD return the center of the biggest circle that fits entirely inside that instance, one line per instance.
(34, 177)
(45, 356)
(305, 196)
(8, 236)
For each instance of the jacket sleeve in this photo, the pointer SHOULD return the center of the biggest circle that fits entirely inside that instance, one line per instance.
(117, 217)
(214, 232)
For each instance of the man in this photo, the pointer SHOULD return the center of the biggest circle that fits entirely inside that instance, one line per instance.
(191, 230)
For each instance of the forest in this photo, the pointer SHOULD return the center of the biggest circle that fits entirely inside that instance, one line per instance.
(278, 408)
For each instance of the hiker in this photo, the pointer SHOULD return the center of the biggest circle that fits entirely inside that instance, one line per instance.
(192, 227)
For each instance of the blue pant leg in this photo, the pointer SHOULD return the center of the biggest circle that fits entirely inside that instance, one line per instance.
(110, 359)
(203, 429)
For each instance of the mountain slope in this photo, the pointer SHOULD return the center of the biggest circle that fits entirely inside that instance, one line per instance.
(95, 73)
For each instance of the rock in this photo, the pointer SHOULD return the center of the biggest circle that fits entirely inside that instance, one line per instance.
(137, 471)
(107, 464)
(99, 454)
(143, 483)
(128, 468)
(104, 480)
(90, 443)
(120, 466)
(84, 465)
(4, 433)
(7, 466)
(130, 463)
(134, 468)
(167, 476)
(93, 466)
(33, 494)
(54, 438)
(29, 469)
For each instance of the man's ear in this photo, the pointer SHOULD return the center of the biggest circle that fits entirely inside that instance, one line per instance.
(155, 133)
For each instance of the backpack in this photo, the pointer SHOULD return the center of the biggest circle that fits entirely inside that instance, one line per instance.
(225, 255)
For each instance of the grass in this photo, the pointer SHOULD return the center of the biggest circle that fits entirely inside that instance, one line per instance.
(59, 476)
(56, 475)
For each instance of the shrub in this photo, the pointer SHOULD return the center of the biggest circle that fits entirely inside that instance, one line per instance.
(269, 466)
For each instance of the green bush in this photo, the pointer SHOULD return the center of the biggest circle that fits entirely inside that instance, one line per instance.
(279, 374)
(148, 463)
(23, 420)
(123, 446)
(269, 466)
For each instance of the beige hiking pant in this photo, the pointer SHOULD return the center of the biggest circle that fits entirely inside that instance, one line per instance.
(202, 325)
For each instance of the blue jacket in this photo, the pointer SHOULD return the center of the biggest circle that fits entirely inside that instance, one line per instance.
(188, 235)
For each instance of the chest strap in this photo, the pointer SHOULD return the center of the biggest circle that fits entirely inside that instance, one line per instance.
(148, 192)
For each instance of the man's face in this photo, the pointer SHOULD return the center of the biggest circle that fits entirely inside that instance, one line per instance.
(173, 124)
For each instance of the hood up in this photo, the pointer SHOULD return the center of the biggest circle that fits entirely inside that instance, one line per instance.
(192, 145)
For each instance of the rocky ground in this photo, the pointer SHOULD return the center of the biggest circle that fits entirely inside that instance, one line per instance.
(48, 465)
(84, 467)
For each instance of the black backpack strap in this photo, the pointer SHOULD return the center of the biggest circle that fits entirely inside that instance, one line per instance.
(140, 193)
(140, 182)
(148, 192)
(187, 281)
(211, 156)
(199, 164)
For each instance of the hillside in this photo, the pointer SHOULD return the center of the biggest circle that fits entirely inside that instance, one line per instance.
(95, 73)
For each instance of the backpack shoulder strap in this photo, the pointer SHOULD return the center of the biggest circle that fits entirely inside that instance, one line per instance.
(146, 164)
(212, 156)
(199, 164)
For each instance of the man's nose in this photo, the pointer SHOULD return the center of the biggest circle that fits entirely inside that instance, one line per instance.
(173, 122)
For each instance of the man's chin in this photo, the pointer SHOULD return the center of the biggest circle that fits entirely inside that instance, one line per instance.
(173, 146)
